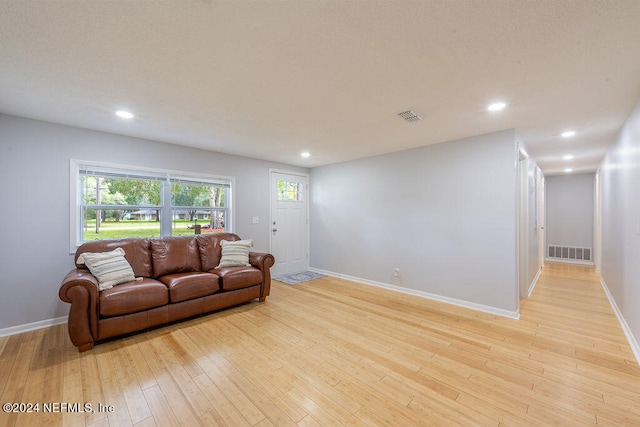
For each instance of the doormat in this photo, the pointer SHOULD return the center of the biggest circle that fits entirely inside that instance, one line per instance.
(299, 277)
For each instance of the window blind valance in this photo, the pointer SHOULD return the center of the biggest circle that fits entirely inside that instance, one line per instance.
(109, 172)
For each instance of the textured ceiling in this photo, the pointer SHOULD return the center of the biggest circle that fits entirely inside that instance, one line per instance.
(269, 79)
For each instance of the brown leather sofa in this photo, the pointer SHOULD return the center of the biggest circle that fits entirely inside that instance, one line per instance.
(176, 279)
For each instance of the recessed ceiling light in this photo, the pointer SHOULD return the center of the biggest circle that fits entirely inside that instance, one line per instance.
(568, 133)
(568, 170)
(123, 114)
(496, 106)
(305, 154)
(568, 157)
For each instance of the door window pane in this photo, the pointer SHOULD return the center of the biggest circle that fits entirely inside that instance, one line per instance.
(290, 191)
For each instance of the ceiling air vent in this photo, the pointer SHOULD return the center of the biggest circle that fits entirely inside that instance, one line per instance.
(410, 116)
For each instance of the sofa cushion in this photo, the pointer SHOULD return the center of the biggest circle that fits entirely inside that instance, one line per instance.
(174, 255)
(238, 277)
(210, 249)
(137, 253)
(132, 297)
(186, 286)
(235, 254)
(110, 268)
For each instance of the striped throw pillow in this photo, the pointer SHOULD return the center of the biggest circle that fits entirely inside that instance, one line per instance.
(110, 268)
(235, 254)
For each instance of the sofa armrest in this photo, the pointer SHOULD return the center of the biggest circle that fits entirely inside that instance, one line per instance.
(80, 288)
(263, 262)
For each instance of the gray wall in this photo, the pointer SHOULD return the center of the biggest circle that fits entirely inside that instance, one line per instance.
(34, 219)
(444, 214)
(570, 209)
(620, 183)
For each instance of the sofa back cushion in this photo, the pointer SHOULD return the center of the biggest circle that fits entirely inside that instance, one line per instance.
(210, 249)
(175, 255)
(137, 253)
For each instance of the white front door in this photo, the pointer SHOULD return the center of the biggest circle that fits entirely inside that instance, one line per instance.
(289, 224)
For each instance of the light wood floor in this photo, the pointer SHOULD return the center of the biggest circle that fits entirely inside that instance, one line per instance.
(332, 352)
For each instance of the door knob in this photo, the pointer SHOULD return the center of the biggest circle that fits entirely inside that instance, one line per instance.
(274, 230)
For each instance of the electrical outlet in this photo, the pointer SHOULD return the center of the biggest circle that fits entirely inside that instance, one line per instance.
(396, 272)
(255, 220)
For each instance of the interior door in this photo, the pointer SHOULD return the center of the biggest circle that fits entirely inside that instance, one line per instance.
(540, 217)
(289, 222)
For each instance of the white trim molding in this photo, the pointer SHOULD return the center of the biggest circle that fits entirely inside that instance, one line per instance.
(427, 295)
(533, 283)
(569, 261)
(635, 348)
(14, 330)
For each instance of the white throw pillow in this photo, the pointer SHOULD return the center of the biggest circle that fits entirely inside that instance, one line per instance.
(235, 253)
(110, 268)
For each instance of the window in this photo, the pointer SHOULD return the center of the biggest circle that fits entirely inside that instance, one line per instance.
(115, 205)
(197, 203)
(290, 191)
(114, 202)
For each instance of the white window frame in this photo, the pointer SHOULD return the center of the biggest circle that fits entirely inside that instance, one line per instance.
(75, 194)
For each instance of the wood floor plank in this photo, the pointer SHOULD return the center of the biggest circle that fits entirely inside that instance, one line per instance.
(218, 371)
(335, 352)
(162, 413)
(133, 396)
(34, 385)
(111, 389)
(17, 373)
(177, 401)
(173, 381)
(53, 386)
(92, 386)
(277, 414)
(10, 418)
(227, 414)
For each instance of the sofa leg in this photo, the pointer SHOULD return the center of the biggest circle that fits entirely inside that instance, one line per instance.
(262, 299)
(85, 347)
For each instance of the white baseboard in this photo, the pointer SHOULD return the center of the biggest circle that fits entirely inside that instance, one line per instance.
(625, 328)
(440, 298)
(533, 283)
(570, 261)
(32, 326)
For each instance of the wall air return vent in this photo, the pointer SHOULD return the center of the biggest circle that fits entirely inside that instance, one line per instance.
(410, 116)
(569, 254)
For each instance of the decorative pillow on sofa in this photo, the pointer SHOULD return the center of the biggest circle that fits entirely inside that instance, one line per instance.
(235, 253)
(110, 268)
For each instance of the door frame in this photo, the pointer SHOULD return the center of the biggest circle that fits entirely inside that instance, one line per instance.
(522, 236)
(306, 206)
(597, 222)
